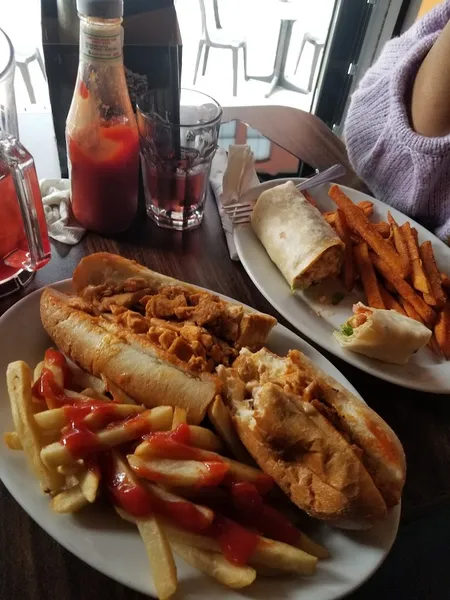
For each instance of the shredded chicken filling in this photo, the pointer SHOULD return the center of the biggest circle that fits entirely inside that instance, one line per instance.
(293, 380)
(197, 328)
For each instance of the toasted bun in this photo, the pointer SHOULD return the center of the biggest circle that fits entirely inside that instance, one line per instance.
(98, 347)
(334, 457)
(384, 456)
(308, 458)
(103, 267)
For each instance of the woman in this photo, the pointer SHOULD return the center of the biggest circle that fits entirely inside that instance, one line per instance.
(398, 125)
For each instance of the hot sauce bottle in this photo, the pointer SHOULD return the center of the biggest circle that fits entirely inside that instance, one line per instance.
(101, 131)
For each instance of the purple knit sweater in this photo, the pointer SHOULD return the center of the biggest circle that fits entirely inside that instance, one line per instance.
(408, 171)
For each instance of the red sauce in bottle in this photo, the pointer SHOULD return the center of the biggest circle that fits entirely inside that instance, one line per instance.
(104, 175)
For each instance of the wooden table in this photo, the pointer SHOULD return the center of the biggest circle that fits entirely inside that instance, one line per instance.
(34, 567)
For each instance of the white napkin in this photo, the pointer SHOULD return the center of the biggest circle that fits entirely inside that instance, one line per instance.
(231, 176)
(61, 223)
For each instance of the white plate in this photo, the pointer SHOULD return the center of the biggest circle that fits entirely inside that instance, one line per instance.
(424, 372)
(114, 548)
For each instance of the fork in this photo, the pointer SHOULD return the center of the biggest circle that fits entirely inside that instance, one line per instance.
(240, 213)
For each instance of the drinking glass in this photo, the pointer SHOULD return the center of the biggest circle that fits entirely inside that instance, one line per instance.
(24, 243)
(178, 140)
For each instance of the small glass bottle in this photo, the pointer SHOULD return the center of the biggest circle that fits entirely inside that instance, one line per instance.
(101, 131)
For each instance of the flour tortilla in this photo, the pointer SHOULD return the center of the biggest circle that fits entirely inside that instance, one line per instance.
(295, 235)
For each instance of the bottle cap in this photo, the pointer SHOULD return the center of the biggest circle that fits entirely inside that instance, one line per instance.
(104, 9)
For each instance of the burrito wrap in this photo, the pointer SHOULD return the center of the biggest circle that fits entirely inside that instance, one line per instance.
(296, 236)
(386, 335)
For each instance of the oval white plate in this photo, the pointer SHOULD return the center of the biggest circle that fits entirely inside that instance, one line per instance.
(424, 372)
(114, 548)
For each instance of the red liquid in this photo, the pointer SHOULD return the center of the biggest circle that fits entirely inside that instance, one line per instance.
(104, 176)
(14, 251)
(173, 185)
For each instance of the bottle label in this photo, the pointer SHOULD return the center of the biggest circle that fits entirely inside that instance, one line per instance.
(95, 46)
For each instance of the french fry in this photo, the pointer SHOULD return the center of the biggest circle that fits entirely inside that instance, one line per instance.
(91, 393)
(400, 243)
(215, 565)
(442, 331)
(89, 483)
(69, 501)
(311, 547)
(445, 282)
(38, 371)
(57, 418)
(344, 233)
(358, 221)
(18, 379)
(410, 310)
(221, 419)
(383, 229)
(12, 440)
(237, 470)
(390, 303)
(159, 418)
(83, 380)
(419, 279)
(170, 497)
(116, 392)
(159, 552)
(269, 553)
(203, 438)
(179, 417)
(160, 557)
(436, 296)
(58, 373)
(71, 470)
(366, 206)
(309, 198)
(178, 473)
(367, 274)
(433, 345)
(405, 291)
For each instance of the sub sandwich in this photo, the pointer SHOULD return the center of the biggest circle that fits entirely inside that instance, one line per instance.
(332, 455)
(158, 339)
(165, 342)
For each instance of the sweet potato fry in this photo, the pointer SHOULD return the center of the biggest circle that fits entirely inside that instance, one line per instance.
(442, 331)
(419, 279)
(434, 346)
(436, 296)
(390, 303)
(405, 290)
(367, 207)
(309, 197)
(400, 243)
(330, 217)
(445, 282)
(344, 233)
(367, 275)
(358, 221)
(410, 310)
(383, 229)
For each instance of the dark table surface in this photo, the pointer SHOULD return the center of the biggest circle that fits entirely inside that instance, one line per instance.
(35, 567)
